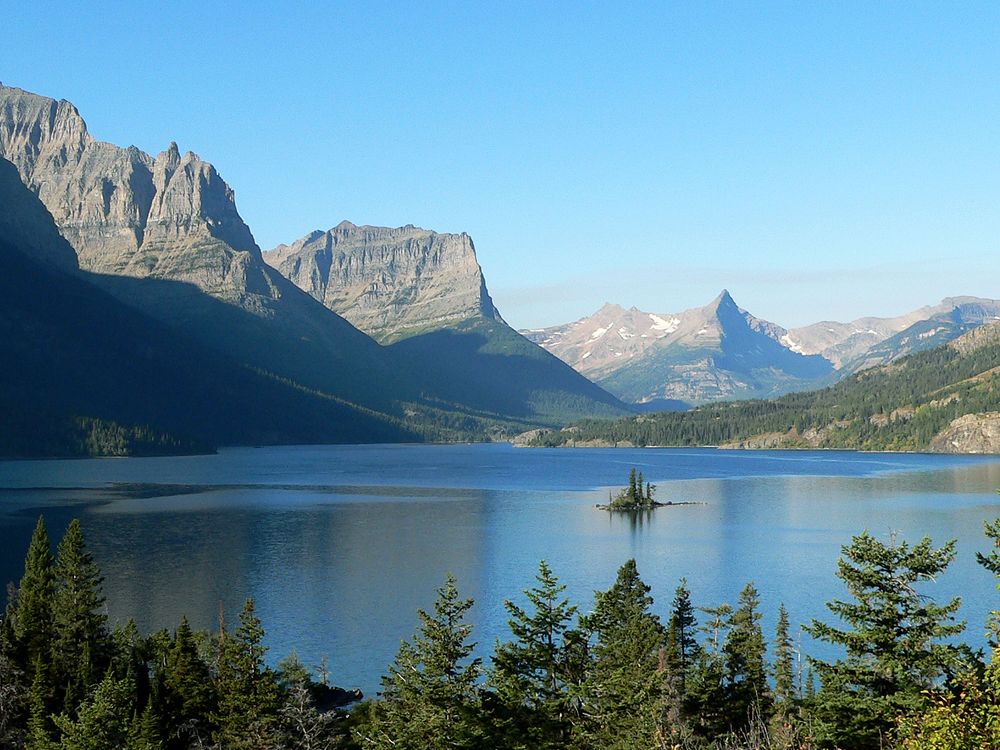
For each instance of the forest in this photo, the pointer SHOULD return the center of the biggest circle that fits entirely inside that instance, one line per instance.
(607, 674)
(900, 406)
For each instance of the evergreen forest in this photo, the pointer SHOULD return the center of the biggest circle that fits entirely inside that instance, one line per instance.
(899, 407)
(604, 674)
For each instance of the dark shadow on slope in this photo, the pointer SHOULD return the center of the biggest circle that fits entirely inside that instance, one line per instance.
(73, 350)
(486, 365)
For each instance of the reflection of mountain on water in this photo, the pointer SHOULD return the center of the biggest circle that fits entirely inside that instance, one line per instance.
(339, 567)
(340, 578)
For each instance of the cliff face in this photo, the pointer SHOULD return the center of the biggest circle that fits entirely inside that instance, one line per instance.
(970, 433)
(127, 213)
(390, 283)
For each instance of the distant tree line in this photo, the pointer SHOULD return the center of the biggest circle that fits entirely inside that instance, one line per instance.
(900, 406)
(613, 675)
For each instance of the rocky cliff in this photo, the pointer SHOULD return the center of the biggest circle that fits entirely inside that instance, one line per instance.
(128, 213)
(970, 433)
(390, 283)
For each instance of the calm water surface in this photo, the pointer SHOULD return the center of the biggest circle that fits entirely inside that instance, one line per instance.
(340, 545)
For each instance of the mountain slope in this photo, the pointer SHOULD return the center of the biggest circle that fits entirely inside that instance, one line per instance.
(131, 216)
(940, 399)
(93, 375)
(162, 234)
(425, 295)
(705, 354)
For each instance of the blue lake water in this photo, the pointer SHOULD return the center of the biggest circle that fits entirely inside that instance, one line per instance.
(340, 545)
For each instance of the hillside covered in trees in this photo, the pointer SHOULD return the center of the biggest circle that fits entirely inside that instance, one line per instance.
(610, 674)
(903, 406)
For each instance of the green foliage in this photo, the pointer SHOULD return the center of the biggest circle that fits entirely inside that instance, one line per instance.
(637, 496)
(430, 696)
(892, 651)
(534, 674)
(621, 693)
(744, 651)
(32, 612)
(80, 641)
(901, 406)
(249, 698)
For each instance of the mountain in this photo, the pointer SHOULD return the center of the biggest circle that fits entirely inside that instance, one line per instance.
(423, 294)
(710, 353)
(94, 376)
(130, 216)
(945, 399)
(870, 341)
(162, 234)
(722, 352)
(390, 283)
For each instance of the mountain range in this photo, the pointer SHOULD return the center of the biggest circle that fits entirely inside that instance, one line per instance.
(162, 238)
(943, 399)
(722, 352)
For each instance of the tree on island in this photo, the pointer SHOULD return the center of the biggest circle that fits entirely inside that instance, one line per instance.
(637, 496)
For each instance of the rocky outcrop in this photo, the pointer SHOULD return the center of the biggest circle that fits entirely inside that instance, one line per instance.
(970, 433)
(985, 335)
(127, 213)
(390, 283)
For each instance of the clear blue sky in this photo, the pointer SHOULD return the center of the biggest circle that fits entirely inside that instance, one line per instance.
(821, 160)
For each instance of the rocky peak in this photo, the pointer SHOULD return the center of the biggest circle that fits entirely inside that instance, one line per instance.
(389, 282)
(118, 207)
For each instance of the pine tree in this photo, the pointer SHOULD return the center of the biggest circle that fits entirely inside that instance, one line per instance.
(13, 699)
(248, 696)
(430, 696)
(991, 562)
(706, 696)
(785, 692)
(80, 641)
(682, 628)
(622, 691)
(531, 675)
(744, 650)
(632, 493)
(104, 721)
(40, 727)
(185, 696)
(892, 654)
(32, 616)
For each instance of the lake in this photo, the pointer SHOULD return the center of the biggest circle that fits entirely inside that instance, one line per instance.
(339, 545)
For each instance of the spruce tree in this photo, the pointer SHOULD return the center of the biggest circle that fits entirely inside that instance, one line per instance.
(622, 691)
(744, 650)
(103, 721)
(706, 695)
(531, 675)
(891, 642)
(785, 692)
(81, 642)
(682, 628)
(32, 616)
(248, 695)
(185, 695)
(430, 698)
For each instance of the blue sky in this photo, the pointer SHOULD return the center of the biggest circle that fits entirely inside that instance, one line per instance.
(819, 160)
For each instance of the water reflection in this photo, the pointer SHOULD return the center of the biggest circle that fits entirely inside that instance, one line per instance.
(340, 546)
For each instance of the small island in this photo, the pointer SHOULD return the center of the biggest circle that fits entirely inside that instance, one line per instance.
(638, 496)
